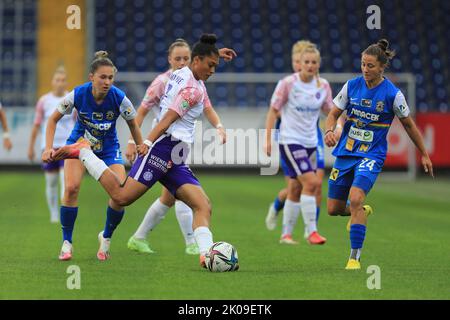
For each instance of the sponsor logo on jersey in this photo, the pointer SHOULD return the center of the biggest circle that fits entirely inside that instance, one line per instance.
(365, 115)
(110, 115)
(380, 106)
(354, 101)
(349, 144)
(184, 105)
(334, 174)
(366, 102)
(97, 116)
(364, 147)
(360, 135)
(128, 112)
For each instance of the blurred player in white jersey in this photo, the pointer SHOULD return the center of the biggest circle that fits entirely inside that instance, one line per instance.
(299, 98)
(278, 204)
(45, 106)
(179, 56)
(7, 144)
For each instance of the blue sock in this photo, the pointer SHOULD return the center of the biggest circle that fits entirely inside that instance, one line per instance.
(357, 235)
(113, 219)
(278, 204)
(317, 213)
(68, 215)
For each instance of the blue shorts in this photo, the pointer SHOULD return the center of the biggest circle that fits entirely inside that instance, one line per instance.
(350, 172)
(320, 150)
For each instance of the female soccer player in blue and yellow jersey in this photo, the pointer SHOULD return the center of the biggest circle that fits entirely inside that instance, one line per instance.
(371, 101)
(98, 104)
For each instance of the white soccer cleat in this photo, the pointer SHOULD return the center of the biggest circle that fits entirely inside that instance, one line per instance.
(66, 251)
(271, 218)
(103, 251)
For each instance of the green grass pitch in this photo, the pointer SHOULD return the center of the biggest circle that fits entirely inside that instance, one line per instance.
(407, 237)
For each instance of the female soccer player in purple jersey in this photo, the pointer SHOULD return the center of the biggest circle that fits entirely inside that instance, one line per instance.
(166, 146)
(99, 104)
(179, 55)
(371, 101)
(299, 98)
(7, 144)
(45, 107)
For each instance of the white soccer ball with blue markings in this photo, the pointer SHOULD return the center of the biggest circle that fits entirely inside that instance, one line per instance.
(222, 257)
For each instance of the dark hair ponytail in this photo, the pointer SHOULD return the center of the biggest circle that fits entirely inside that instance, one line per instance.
(381, 51)
(206, 46)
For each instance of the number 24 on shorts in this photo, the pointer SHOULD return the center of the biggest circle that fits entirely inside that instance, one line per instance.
(367, 163)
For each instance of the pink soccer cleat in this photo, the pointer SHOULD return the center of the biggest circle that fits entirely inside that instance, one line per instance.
(316, 238)
(103, 251)
(71, 151)
(66, 251)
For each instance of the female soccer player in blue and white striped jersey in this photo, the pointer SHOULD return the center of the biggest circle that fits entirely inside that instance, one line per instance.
(99, 104)
(371, 101)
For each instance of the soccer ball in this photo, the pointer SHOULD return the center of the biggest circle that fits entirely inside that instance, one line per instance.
(222, 257)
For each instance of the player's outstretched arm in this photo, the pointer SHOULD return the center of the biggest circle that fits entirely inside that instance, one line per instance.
(227, 54)
(130, 153)
(34, 133)
(6, 138)
(169, 118)
(50, 135)
(416, 137)
(135, 131)
(271, 117)
(214, 120)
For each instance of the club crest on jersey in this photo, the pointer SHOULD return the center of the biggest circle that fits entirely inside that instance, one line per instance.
(97, 116)
(318, 95)
(380, 106)
(366, 102)
(110, 115)
(360, 124)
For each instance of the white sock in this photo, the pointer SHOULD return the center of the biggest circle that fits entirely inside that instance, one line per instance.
(93, 164)
(153, 217)
(204, 239)
(61, 182)
(185, 219)
(308, 204)
(51, 193)
(291, 211)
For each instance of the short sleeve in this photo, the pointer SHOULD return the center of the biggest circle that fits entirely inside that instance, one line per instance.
(39, 112)
(127, 110)
(328, 103)
(400, 106)
(67, 103)
(341, 100)
(280, 95)
(185, 100)
(153, 94)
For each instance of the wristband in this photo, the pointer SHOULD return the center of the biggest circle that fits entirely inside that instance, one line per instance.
(338, 126)
(219, 125)
(6, 135)
(148, 143)
(131, 141)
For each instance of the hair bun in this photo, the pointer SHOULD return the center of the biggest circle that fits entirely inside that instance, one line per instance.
(101, 54)
(383, 44)
(208, 38)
